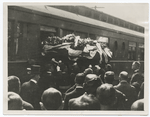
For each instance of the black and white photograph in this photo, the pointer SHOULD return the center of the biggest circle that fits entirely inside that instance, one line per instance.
(76, 58)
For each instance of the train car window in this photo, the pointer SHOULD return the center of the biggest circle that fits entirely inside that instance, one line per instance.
(104, 18)
(115, 45)
(123, 46)
(132, 51)
(92, 36)
(10, 40)
(116, 22)
(81, 34)
(141, 51)
(96, 16)
(115, 49)
(123, 49)
(46, 31)
(110, 20)
(66, 32)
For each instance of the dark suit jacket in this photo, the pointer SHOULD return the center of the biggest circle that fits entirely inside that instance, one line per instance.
(29, 93)
(78, 91)
(71, 89)
(137, 77)
(121, 98)
(129, 91)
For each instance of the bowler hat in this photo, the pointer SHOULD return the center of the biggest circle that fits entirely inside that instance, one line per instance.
(35, 69)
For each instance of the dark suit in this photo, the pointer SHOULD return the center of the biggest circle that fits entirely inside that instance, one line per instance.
(121, 98)
(129, 91)
(78, 91)
(29, 93)
(137, 77)
(71, 89)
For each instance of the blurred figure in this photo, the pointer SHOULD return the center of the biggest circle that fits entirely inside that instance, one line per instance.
(75, 69)
(127, 89)
(121, 98)
(91, 83)
(88, 71)
(15, 86)
(138, 105)
(84, 102)
(30, 89)
(137, 86)
(141, 92)
(14, 101)
(136, 77)
(108, 67)
(88, 100)
(106, 95)
(99, 72)
(78, 91)
(51, 99)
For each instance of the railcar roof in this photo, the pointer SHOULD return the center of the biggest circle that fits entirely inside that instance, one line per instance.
(73, 16)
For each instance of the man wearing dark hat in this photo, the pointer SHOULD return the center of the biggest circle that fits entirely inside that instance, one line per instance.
(78, 91)
(30, 89)
(120, 100)
(127, 89)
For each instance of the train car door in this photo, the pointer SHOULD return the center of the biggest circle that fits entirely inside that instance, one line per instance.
(33, 41)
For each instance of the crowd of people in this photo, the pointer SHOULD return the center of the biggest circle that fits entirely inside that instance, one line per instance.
(55, 86)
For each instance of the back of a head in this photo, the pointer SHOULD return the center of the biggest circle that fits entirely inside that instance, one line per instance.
(14, 84)
(79, 79)
(106, 94)
(14, 101)
(123, 75)
(137, 86)
(138, 105)
(91, 83)
(96, 70)
(108, 67)
(52, 99)
(88, 71)
(84, 102)
(136, 65)
(109, 77)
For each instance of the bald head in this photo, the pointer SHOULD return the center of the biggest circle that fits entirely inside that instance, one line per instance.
(123, 75)
(106, 94)
(14, 84)
(14, 101)
(136, 65)
(109, 77)
(52, 99)
(138, 105)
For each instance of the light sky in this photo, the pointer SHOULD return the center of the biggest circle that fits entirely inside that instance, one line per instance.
(136, 13)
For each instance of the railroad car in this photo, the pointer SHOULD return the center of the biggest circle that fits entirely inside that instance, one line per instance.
(29, 25)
